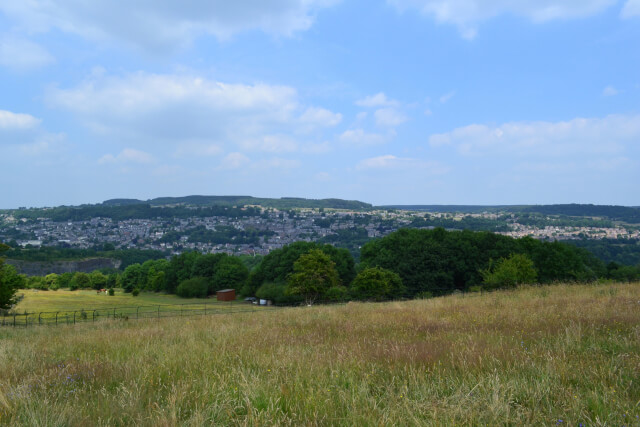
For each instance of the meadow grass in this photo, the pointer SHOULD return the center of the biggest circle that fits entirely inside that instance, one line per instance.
(558, 355)
(62, 299)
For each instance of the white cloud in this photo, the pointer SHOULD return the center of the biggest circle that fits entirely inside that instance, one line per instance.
(610, 91)
(234, 161)
(128, 155)
(467, 14)
(21, 54)
(320, 117)
(377, 100)
(158, 25)
(447, 97)
(389, 117)
(317, 148)
(577, 137)
(144, 108)
(21, 135)
(271, 143)
(391, 162)
(631, 9)
(362, 138)
(428, 112)
(198, 149)
(17, 121)
(361, 116)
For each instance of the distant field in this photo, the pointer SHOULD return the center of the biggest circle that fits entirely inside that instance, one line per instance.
(63, 306)
(558, 355)
(35, 301)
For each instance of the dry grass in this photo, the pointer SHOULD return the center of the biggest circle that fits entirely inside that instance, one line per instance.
(533, 356)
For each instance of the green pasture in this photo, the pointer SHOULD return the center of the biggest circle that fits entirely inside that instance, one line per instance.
(65, 300)
(72, 307)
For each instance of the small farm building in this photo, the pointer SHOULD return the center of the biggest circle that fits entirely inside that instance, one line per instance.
(226, 295)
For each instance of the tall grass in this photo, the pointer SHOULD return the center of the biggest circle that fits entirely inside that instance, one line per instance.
(534, 356)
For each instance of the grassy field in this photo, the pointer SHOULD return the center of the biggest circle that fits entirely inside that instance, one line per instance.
(559, 355)
(71, 307)
(35, 301)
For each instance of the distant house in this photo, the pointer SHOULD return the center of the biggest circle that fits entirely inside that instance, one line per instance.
(226, 295)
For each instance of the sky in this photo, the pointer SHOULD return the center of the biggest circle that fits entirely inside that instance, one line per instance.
(384, 101)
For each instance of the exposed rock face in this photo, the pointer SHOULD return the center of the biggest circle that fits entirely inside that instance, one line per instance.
(42, 268)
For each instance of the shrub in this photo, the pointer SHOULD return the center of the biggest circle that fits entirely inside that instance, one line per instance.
(112, 292)
(80, 281)
(135, 292)
(377, 284)
(271, 291)
(337, 293)
(193, 288)
(509, 272)
(424, 295)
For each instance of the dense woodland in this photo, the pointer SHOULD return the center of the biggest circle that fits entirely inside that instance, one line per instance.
(408, 263)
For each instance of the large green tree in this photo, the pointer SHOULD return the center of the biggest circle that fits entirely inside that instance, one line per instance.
(314, 273)
(230, 273)
(278, 264)
(9, 281)
(377, 284)
(510, 272)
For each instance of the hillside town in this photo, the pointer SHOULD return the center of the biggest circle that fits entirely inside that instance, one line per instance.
(272, 229)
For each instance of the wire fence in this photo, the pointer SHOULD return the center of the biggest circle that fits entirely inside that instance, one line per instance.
(158, 311)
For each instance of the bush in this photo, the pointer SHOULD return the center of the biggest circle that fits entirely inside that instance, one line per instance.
(509, 272)
(377, 284)
(112, 292)
(135, 292)
(80, 281)
(193, 288)
(271, 291)
(337, 293)
(424, 295)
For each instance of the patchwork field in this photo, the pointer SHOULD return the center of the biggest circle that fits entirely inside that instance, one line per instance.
(558, 355)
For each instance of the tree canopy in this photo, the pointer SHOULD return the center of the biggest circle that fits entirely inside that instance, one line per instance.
(314, 273)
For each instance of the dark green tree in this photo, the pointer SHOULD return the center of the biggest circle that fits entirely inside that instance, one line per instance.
(9, 282)
(377, 284)
(230, 273)
(313, 274)
(510, 272)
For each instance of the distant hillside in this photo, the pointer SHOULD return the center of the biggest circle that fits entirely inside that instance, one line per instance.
(615, 213)
(465, 209)
(281, 203)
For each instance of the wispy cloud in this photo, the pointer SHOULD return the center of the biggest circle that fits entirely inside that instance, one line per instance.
(359, 137)
(468, 14)
(128, 155)
(164, 26)
(17, 121)
(377, 100)
(631, 9)
(595, 136)
(21, 54)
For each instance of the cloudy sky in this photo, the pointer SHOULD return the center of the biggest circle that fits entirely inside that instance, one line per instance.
(384, 101)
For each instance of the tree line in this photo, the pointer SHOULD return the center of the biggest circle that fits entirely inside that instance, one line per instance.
(408, 263)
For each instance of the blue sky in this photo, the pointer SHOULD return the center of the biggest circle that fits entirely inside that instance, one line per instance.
(384, 101)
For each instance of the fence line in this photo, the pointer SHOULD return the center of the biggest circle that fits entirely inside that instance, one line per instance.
(157, 311)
